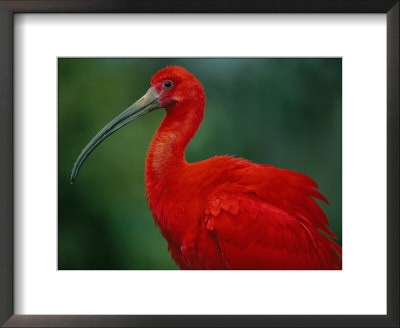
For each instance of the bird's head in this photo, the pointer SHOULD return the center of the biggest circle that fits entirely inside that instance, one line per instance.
(174, 85)
(171, 88)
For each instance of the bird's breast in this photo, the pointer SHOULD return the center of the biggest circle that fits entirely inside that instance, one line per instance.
(174, 208)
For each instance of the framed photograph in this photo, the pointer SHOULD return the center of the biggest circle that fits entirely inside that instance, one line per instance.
(266, 167)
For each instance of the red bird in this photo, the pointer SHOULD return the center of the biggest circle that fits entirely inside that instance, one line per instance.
(222, 212)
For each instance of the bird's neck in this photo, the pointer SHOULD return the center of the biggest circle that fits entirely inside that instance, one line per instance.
(167, 149)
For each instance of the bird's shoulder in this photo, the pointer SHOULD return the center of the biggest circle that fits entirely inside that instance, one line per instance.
(259, 178)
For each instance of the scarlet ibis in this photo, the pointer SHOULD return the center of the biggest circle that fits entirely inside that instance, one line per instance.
(223, 212)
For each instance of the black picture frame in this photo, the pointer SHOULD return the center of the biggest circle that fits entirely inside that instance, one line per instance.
(10, 7)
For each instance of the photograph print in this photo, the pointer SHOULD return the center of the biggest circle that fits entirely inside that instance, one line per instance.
(200, 163)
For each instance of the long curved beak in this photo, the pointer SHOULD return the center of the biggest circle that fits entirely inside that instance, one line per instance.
(144, 105)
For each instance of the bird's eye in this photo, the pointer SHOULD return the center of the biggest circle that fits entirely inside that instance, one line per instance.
(168, 84)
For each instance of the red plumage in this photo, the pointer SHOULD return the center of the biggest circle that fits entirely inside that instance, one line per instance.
(226, 212)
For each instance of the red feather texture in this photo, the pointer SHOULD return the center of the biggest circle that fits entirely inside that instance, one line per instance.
(226, 212)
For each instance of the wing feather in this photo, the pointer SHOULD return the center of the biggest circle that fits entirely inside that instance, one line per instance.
(254, 234)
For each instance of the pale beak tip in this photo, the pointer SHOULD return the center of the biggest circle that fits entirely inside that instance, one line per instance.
(72, 178)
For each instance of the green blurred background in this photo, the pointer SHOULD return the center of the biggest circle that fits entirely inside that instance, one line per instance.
(284, 112)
